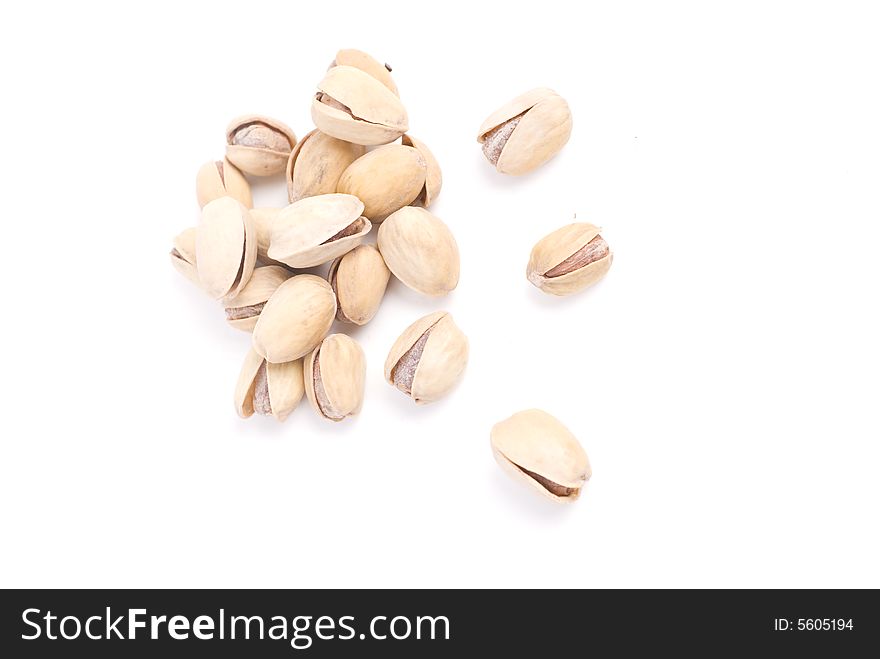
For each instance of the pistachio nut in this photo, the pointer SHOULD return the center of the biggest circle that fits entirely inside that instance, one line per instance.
(526, 132)
(266, 388)
(361, 60)
(315, 230)
(433, 176)
(385, 179)
(316, 163)
(263, 218)
(420, 250)
(569, 259)
(226, 247)
(352, 105)
(258, 145)
(428, 359)
(222, 179)
(243, 310)
(334, 375)
(295, 319)
(359, 279)
(183, 255)
(534, 447)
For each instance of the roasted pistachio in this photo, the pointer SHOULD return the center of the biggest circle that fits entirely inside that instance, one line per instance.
(385, 179)
(266, 388)
(361, 60)
(433, 176)
(569, 259)
(334, 375)
(226, 247)
(243, 310)
(316, 163)
(359, 279)
(222, 179)
(258, 145)
(183, 255)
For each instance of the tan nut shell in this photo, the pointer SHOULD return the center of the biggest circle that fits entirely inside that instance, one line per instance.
(226, 247)
(316, 163)
(377, 115)
(541, 133)
(385, 179)
(265, 280)
(343, 368)
(285, 383)
(211, 185)
(538, 442)
(359, 280)
(444, 356)
(183, 255)
(295, 319)
(554, 248)
(433, 178)
(298, 235)
(361, 60)
(263, 218)
(258, 161)
(420, 250)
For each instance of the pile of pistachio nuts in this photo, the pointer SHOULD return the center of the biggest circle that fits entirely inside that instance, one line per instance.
(357, 169)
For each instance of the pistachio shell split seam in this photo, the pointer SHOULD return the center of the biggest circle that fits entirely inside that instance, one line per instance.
(243, 310)
(226, 247)
(221, 178)
(258, 145)
(316, 163)
(183, 255)
(334, 377)
(359, 279)
(366, 63)
(569, 259)
(268, 389)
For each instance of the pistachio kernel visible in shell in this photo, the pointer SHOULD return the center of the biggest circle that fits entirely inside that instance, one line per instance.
(496, 138)
(352, 229)
(594, 250)
(404, 371)
(239, 313)
(260, 136)
(262, 403)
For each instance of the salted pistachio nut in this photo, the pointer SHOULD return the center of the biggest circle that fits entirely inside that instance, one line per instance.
(183, 255)
(243, 310)
(352, 105)
(536, 448)
(386, 179)
(433, 175)
(361, 60)
(526, 132)
(316, 163)
(268, 389)
(428, 359)
(221, 178)
(295, 319)
(420, 251)
(359, 279)
(569, 259)
(226, 247)
(259, 145)
(334, 375)
(318, 229)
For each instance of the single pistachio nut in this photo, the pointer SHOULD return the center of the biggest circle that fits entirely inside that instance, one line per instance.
(526, 132)
(226, 247)
(569, 259)
(352, 105)
(433, 176)
(420, 251)
(385, 179)
(428, 359)
(318, 229)
(359, 279)
(361, 60)
(295, 319)
(243, 310)
(316, 163)
(183, 255)
(222, 179)
(534, 447)
(266, 388)
(258, 145)
(334, 375)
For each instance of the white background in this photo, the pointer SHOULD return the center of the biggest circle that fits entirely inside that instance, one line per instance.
(723, 378)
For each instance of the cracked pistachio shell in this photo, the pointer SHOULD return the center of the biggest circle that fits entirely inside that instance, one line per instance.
(263, 218)
(569, 259)
(334, 376)
(534, 447)
(526, 132)
(359, 279)
(316, 163)
(428, 359)
(385, 179)
(420, 251)
(433, 176)
(269, 389)
(222, 179)
(226, 247)
(243, 310)
(352, 105)
(258, 145)
(183, 255)
(295, 319)
(315, 230)
(361, 60)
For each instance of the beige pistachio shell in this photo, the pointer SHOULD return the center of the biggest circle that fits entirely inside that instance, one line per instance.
(385, 179)
(352, 105)
(318, 229)
(361, 60)
(259, 145)
(334, 376)
(316, 163)
(359, 280)
(270, 389)
(226, 247)
(569, 259)
(433, 176)
(183, 255)
(295, 319)
(428, 359)
(221, 178)
(243, 310)
(534, 447)
(526, 132)
(263, 218)
(420, 250)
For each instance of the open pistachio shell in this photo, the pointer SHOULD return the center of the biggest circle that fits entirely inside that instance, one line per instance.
(433, 176)
(334, 375)
(226, 247)
(270, 389)
(183, 255)
(385, 179)
(361, 60)
(222, 179)
(316, 163)
(259, 145)
(569, 259)
(359, 279)
(243, 310)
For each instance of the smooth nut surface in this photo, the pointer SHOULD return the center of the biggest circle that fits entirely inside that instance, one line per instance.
(183, 255)
(243, 310)
(259, 145)
(569, 259)
(316, 163)
(433, 175)
(334, 375)
(359, 279)
(366, 63)
(226, 247)
(221, 178)
(385, 179)
(268, 389)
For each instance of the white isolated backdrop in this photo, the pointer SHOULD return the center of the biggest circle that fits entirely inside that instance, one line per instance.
(723, 378)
